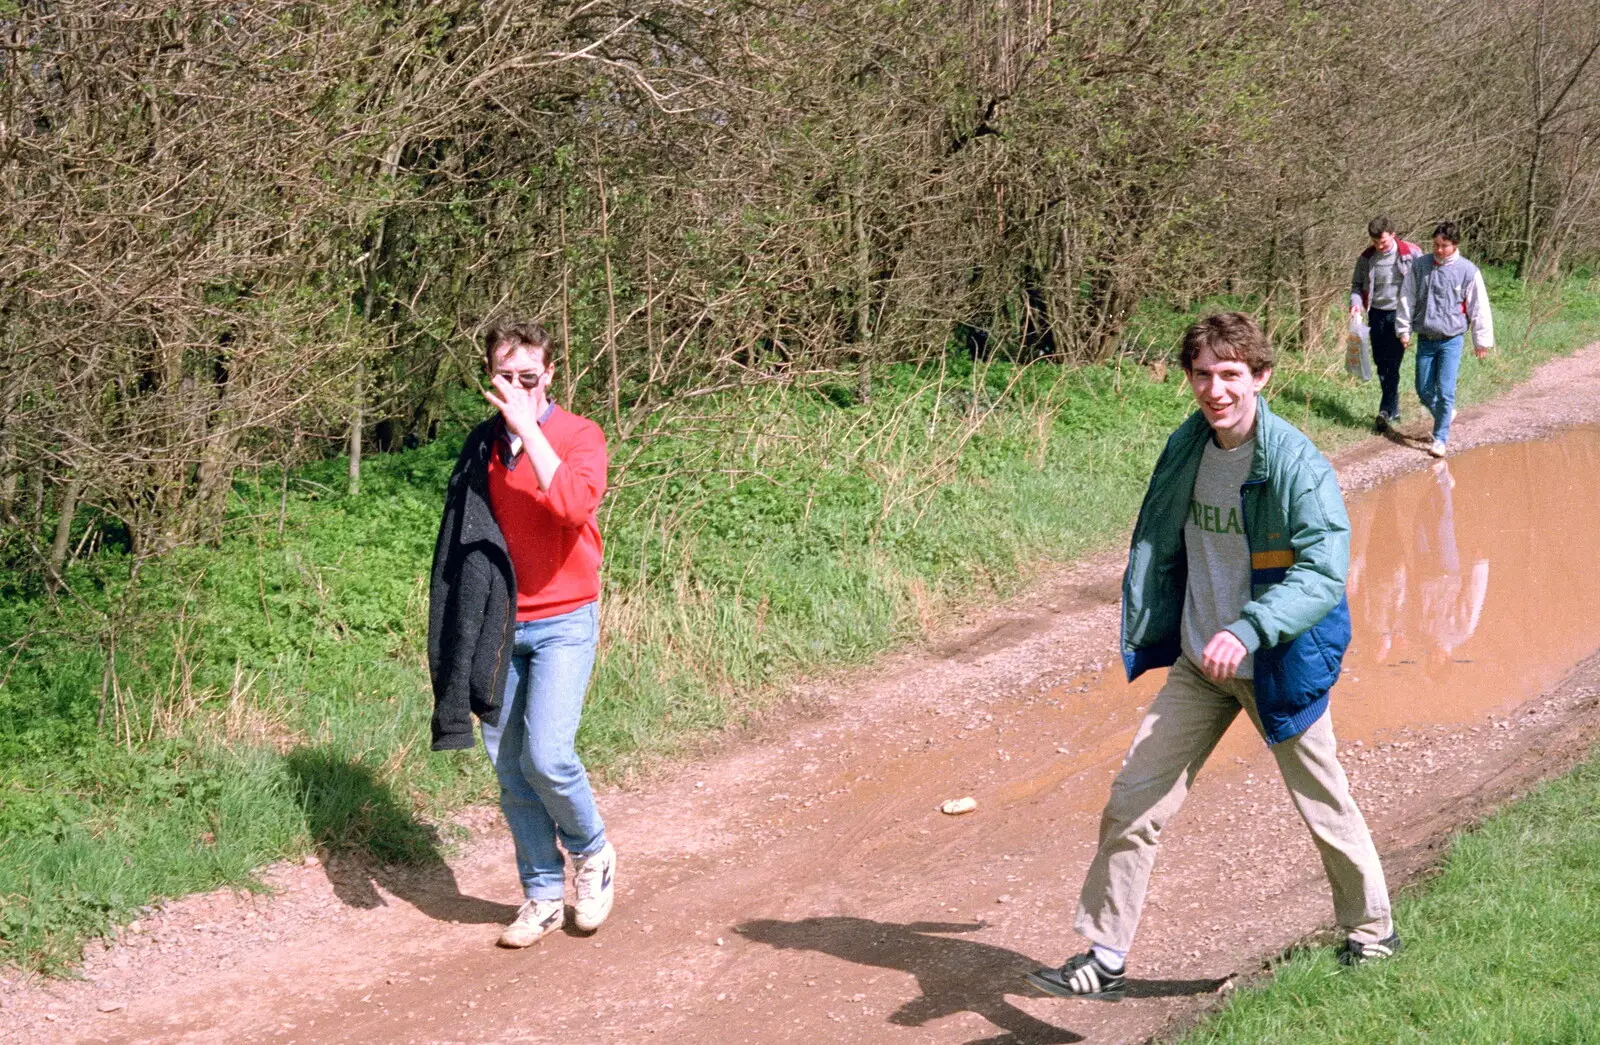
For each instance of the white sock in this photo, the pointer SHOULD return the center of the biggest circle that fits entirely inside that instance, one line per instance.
(1110, 957)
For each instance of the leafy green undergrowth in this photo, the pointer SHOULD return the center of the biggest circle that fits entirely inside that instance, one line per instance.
(269, 696)
(1504, 946)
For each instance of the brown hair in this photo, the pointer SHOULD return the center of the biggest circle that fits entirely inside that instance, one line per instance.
(511, 332)
(1229, 335)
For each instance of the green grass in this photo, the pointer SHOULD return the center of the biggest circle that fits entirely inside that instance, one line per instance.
(271, 695)
(1504, 946)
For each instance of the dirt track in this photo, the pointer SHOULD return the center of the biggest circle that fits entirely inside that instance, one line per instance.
(801, 885)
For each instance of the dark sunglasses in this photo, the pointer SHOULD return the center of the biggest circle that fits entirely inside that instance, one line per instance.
(528, 379)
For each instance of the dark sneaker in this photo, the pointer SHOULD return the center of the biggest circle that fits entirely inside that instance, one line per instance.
(1082, 977)
(1353, 953)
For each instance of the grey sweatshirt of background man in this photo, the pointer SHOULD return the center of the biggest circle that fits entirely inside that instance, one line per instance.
(1364, 290)
(1438, 301)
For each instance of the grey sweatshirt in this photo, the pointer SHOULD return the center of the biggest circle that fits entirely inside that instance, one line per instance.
(1439, 301)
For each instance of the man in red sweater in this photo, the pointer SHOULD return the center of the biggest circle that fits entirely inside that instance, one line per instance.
(519, 529)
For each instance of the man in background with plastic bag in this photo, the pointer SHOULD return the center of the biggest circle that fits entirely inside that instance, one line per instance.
(1375, 286)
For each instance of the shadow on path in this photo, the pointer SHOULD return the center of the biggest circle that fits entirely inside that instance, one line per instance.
(368, 840)
(954, 975)
(1410, 442)
(1331, 409)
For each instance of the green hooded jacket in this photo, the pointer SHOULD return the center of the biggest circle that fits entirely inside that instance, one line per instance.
(1297, 622)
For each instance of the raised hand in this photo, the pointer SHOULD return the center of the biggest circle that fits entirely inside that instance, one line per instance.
(521, 407)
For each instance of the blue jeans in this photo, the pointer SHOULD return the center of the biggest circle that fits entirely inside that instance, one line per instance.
(544, 789)
(1438, 363)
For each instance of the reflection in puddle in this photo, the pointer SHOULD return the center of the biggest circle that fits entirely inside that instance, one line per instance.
(1408, 579)
(1436, 641)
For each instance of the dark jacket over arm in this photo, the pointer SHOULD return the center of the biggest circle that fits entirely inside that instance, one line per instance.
(471, 599)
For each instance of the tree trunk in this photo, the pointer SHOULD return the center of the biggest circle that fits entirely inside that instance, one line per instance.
(64, 517)
(8, 479)
(614, 375)
(10, 464)
(1306, 296)
(570, 384)
(355, 431)
(8, 473)
(1530, 187)
(863, 316)
(35, 504)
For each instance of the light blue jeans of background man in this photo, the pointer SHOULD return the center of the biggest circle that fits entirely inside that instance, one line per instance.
(544, 789)
(1438, 363)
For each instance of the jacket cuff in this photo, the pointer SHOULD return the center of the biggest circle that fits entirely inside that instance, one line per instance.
(454, 742)
(1246, 633)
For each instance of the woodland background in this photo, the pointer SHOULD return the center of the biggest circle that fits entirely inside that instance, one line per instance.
(241, 234)
(877, 302)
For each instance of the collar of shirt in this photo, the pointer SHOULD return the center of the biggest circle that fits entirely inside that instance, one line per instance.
(512, 444)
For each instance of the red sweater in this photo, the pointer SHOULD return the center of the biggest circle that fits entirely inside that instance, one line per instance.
(552, 534)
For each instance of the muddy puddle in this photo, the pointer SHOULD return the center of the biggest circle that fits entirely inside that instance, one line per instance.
(1470, 592)
(1471, 585)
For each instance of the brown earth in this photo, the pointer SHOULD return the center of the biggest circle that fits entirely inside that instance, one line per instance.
(801, 885)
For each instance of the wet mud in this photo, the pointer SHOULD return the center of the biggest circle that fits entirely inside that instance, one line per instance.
(808, 889)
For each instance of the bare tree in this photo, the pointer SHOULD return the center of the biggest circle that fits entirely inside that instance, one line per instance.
(246, 235)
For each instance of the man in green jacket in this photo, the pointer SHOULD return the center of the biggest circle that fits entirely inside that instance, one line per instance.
(1236, 581)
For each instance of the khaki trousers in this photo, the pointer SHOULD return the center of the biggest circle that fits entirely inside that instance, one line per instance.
(1178, 734)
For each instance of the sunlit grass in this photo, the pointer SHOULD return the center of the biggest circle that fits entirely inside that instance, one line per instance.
(1503, 946)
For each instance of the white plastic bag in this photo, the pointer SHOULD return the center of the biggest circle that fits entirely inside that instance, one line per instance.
(1358, 350)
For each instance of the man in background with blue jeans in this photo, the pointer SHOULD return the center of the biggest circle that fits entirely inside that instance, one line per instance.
(1442, 296)
(513, 623)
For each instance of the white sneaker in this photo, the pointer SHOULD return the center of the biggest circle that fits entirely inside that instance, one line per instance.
(535, 920)
(591, 879)
(1437, 449)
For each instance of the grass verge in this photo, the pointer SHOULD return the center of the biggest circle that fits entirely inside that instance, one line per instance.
(1503, 946)
(269, 697)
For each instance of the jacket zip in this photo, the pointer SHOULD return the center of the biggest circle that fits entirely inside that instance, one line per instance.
(1244, 515)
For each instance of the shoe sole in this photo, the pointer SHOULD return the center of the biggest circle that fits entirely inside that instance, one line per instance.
(512, 945)
(1059, 991)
